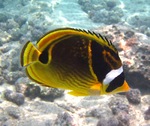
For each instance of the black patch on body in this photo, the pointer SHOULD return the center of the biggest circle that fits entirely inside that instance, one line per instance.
(117, 82)
(44, 56)
(99, 65)
(71, 51)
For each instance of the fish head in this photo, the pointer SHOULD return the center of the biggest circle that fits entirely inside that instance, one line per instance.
(124, 88)
(114, 82)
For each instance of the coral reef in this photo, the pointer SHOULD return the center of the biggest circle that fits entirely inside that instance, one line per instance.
(107, 12)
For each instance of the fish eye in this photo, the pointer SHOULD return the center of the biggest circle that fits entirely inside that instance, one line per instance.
(43, 58)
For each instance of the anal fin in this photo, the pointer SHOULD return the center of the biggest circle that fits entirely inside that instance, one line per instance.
(74, 93)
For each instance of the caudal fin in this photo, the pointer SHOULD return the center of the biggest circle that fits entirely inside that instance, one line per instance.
(29, 54)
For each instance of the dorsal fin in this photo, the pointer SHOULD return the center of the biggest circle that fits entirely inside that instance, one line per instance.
(101, 39)
(59, 34)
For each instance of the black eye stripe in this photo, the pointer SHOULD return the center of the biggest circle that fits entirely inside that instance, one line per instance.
(117, 82)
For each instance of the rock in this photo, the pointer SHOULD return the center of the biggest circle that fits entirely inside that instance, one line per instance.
(97, 9)
(147, 114)
(117, 106)
(121, 111)
(147, 32)
(20, 87)
(22, 80)
(129, 34)
(10, 122)
(5, 48)
(94, 113)
(32, 91)
(134, 96)
(12, 24)
(15, 34)
(20, 20)
(50, 93)
(13, 112)
(11, 77)
(1, 100)
(64, 119)
(1, 80)
(14, 97)
(111, 3)
(108, 121)
(10, 63)
(36, 32)
(97, 112)
(3, 116)
(123, 118)
(3, 26)
(31, 121)
(3, 17)
(45, 107)
(137, 80)
(139, 20)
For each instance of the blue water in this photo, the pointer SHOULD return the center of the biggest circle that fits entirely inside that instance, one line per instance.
(78, 13)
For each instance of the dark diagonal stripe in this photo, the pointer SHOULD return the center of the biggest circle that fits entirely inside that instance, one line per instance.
(100, 67)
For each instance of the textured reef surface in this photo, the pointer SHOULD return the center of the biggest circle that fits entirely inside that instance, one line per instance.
(24, 103)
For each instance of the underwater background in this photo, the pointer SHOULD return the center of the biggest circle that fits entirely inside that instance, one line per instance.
(24, 103)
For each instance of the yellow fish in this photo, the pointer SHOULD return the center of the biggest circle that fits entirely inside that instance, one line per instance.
(78, 60)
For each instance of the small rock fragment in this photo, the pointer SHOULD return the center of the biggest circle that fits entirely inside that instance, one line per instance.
(13, 112)
(20, 87)
(134, 96)
(3, 116)
(111, 3)
(3, 17)
(123, 118)
(147, 114)
(32, 91)
(112, 121)
(64, 119)
(1, 80)
(14, 97)
(129, 33)
(51, 93)
(121, 112)
(94, 113)
(118, 106)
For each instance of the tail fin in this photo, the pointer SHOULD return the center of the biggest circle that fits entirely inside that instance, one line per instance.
(29, 54)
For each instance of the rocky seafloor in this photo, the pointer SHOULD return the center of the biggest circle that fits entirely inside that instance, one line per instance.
(24, 103)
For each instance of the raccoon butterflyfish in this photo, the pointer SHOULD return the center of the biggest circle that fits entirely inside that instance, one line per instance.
(78, 60)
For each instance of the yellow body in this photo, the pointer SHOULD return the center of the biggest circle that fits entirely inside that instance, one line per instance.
(63, 59)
